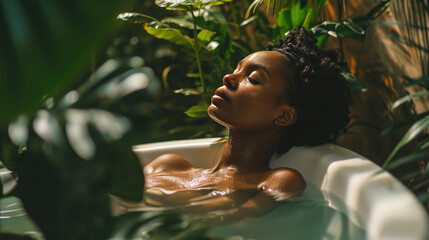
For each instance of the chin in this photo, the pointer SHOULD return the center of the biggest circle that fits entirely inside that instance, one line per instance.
(214, 113)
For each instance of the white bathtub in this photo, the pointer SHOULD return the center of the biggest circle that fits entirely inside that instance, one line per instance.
(371, 198)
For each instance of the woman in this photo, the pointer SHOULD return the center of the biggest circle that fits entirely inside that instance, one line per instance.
(289, 95)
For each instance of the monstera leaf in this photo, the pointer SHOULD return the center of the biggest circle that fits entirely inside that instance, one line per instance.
(45, 44)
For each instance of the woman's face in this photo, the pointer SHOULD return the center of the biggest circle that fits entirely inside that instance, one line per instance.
(252, 97)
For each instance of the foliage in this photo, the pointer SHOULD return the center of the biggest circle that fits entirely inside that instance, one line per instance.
(416, 135)
(45, 47)
(76, 151)
(210, 44)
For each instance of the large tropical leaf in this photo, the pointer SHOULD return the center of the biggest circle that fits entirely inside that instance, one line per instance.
(45, 44)
(170, 34)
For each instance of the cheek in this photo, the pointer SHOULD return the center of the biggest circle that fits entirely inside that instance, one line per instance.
(255, 109)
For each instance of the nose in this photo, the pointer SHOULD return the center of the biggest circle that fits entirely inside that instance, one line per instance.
(231, 81)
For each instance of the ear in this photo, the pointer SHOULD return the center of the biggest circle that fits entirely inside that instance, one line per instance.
(288, 117)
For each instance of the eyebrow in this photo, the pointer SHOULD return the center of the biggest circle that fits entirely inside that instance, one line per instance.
(256, 66)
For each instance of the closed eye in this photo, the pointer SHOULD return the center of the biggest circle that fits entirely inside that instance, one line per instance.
(253, 81)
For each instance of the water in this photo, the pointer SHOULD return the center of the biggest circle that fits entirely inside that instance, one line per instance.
(14, 219)
(306, 217)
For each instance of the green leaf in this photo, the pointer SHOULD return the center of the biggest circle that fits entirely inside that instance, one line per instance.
(197, 111)
(205, 36)
(284, 21)
(404, 123)
(321, 40)
(413, 132)
(309, 19)
(343, 31)
(18, 130)
(53, 41)
(404, 99)
(136, 18)
(125, 84)
(249, 20)
(188, 91)
(354, 27)
(181, 4)
(420, 81)
(379, 9)
(413, 157)
(182, 21)
(299, 14)
(422, 144)
(252, 7)
(127, 172)
(354, 82)
(169, 34)
(323, 28)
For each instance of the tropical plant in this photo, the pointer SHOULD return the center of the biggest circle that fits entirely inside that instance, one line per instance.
(413, 22)
(214, 43)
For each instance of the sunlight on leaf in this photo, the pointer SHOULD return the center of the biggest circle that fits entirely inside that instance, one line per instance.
(170, 34)
(197, 111)
(77, 133)
(180, 4)
(354, 27)
(405, 99)
(18, 130)
(249, 20)
(205, 35)
(188, 91)
(212, 45)
(113, 90)
(69, 99)
(136, 18)
(182, 21)
(47, 127)
(111, 126)
(354, 82)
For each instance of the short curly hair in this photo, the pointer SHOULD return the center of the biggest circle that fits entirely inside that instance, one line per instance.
(317, 91)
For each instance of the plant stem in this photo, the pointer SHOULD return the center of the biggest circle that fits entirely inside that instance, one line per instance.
(197, 55)
(340, 18)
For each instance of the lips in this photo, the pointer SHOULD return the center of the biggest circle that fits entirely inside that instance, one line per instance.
(220, 92)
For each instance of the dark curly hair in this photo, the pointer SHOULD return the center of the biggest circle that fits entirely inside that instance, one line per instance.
(317, 91)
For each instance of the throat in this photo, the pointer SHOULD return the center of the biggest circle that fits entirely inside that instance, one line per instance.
(247, 152)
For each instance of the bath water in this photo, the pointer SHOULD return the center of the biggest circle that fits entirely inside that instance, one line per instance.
(307, 217)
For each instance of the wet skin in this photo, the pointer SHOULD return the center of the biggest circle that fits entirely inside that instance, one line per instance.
(251, 103)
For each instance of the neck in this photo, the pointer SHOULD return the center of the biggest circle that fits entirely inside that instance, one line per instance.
(248, 151)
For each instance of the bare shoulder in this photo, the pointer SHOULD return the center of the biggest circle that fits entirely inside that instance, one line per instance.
(284, 179)
(168, 162)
